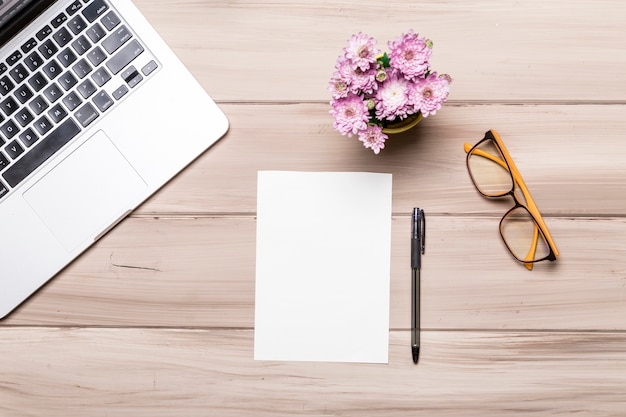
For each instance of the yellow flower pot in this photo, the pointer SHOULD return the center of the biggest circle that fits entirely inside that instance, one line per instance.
(403, 125)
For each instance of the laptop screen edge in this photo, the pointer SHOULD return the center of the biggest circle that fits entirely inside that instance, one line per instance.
(27, 14)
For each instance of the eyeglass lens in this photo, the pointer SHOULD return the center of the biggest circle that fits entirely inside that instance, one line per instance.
(522, 236)
(491, 176)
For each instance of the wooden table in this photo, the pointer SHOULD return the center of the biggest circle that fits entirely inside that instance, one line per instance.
(157, 318)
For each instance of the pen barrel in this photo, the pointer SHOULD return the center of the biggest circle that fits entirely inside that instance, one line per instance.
(416, 254)
(415, 308)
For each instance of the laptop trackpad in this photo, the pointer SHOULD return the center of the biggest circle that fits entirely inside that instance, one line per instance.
(85, 193)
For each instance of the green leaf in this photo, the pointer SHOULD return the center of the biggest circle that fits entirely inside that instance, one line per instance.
(385, 60)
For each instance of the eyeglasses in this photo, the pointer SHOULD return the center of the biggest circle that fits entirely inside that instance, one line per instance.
(495, 175)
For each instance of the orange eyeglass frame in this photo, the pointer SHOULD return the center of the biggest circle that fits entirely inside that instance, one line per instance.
(530, 205)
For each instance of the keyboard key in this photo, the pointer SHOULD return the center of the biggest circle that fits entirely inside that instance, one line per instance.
(38, 81)
(135, 80)
(40, 153)
(96, 33)
(48, 48)
(19, 73)
(43, 125)
(129, 73)
(149, 68)
(67, 57)
(124, 56)
(81, 45)
(34, 61)
(57, 113)
(53, 93)
(67, 80)
(86, 114)
(101, 76)
(86, 89)
(96, 56)
(72, 101)
(28, 137)
(9, 129)
(52, 69)
(9, 106)
(28, 45)
(120, 92)
(82, 69)
(23, 93)
(95, 10)
(3, 68)
(14, 58)
(74, 7)
(44, 33)
(14, 149)
(6, 85)
(24, 117)
(77, 25)
(38, 105)
(110, 20)
(103, 101)
(58, 21)
(116, 39)
(131, 76)
(62, 37)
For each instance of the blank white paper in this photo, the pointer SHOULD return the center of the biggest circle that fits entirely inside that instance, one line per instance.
(323, 266)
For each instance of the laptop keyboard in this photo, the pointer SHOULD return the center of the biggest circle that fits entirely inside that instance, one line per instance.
(71, 72)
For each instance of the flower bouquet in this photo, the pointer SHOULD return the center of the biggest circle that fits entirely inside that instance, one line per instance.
(372, 90)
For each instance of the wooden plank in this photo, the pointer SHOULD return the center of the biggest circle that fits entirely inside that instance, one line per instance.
(494, 49)
(185, 272)
(158, 316)
(571, 158)
(151, 372)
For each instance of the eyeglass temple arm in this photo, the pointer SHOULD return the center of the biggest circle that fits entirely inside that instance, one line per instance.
(530, 203)
(522, 185)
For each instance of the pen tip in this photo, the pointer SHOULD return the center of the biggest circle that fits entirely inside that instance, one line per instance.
(416, 353)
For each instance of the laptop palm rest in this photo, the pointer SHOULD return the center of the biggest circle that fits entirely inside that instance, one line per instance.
(79, 207)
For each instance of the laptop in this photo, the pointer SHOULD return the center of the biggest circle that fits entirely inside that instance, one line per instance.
(96, 114)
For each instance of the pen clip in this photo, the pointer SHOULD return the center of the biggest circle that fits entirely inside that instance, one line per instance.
(422, 218)
(418, 237)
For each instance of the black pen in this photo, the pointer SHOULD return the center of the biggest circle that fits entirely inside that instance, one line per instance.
(418, 238)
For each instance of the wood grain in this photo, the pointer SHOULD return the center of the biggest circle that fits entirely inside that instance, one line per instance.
(496, 50)
(157, 318)
(201, 272)
(160, 372)
(571, 157)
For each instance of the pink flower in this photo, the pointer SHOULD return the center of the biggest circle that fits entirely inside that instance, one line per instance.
(410, 54)
(350, 113)
(430, 93)
(392, 99)
(373, 138)
(361, 51)
(358, 81)
(338, 87)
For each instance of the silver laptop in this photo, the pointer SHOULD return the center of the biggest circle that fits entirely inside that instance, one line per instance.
(96, 114)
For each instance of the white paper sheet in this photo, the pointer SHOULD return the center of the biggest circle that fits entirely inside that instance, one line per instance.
(323, 266)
